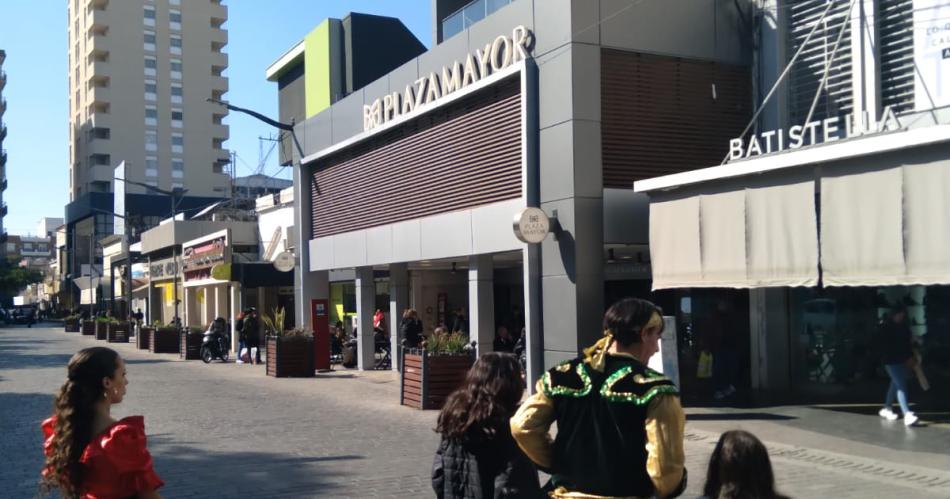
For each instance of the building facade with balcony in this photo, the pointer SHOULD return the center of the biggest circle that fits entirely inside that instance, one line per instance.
(140, 74)
(3, 152)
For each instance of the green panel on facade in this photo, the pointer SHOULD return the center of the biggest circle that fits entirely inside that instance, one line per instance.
(317, 64)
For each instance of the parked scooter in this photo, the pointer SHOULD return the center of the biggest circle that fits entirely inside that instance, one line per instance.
(216, 343)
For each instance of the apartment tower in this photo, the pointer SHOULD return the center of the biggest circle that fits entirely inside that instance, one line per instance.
(140, 76)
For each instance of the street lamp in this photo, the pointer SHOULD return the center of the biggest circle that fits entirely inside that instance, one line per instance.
(175, 193)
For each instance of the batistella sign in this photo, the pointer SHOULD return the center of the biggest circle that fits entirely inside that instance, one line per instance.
(502, 52)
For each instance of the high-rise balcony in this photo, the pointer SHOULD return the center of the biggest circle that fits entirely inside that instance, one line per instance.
(3, 56)
(3, 185)
(3, 210)
(221, 132)
(219, 14)
(98, 19)
(3, 106)
(219, 38)
(3, 132)
(219, 61)
(97, 69)
(3, 79)
(219, 84)
(98, 95)
(3, 157)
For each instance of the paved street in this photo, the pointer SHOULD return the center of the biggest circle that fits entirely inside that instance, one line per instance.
(229, 431)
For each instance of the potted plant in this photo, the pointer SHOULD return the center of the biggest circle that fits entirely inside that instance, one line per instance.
(118, 331)
(289, 354)
(190, 346)
(144, 338)
(72, 323)
(102, 327)
(164, 339)
(88, 327)
(431, 373)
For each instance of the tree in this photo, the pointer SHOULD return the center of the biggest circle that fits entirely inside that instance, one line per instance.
(14, 279)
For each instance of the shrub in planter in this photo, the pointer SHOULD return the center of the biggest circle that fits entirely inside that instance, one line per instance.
(118, 332)
(290, 354)
(431, 373)
(164, 340)
(190, 346)
(102, 327)
(88, 327)
(72, 323)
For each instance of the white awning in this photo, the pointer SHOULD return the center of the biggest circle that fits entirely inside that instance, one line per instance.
(758, 235)
(886, 225)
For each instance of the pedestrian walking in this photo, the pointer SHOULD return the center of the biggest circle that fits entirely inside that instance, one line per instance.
(242, 345)
(897, 350)
(88, 453)
(477, 457)
(619, 423)
(411, 328)
(252, 334)
(739, 468)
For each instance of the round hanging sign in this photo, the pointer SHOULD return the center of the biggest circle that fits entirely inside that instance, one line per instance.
(284, 261)
(531, 225)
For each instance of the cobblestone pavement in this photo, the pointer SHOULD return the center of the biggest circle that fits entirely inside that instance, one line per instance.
(226, 430)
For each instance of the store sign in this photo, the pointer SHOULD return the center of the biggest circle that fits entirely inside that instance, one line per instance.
(203, 255)
(531, 225)
(284, 261)
(162, 269)
(931, 54)
(502, 52)
(812, 133)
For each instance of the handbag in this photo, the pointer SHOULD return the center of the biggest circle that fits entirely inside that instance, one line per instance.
(704, 366)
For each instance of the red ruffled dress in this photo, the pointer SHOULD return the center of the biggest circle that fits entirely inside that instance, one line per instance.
(117, 462)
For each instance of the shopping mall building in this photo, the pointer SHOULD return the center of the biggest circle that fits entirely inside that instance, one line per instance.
(408, 183)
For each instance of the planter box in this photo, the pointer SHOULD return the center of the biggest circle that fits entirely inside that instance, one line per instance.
(289, 358)
(189, 345)
(164, 340)
(88, 328)
(102, 329)
(144, 338)
(118, 332)
(427, 380)
(72, 326)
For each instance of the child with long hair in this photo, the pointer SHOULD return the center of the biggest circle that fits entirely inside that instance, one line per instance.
(739, 468)
(477, 457)
(89, 454)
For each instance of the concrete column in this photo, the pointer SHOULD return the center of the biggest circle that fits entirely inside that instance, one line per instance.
(398, 302)
(235, 310)
(481, 302)
(152, 309)
(218, 298)
(209, 305)
(769, 328)
(189, 309)
(531, 267)
(365, 307)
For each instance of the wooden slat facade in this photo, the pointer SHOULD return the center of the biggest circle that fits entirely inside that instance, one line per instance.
(465, 155)
(659, 116)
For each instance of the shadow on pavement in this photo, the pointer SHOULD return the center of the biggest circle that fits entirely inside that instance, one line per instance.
(739, 416)
(21, 447)
(192, 472)
(145, 361)
(10, 359)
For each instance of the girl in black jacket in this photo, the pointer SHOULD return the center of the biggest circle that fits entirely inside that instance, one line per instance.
(478, 458)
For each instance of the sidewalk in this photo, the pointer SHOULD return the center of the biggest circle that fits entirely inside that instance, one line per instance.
(227, 430)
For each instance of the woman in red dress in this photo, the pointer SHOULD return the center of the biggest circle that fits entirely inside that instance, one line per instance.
(89, 455)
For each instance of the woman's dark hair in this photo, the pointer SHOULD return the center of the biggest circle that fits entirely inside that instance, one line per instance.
(626, 318)
(74, 408)
(485, 402)
(739, 468)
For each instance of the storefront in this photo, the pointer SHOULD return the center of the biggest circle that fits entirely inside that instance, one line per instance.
(413, 181)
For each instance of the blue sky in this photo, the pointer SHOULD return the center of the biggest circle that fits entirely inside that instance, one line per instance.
(33, 34)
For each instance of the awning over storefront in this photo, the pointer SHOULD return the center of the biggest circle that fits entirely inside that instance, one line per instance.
(253, 275)
(761, 234)
(881, 218)
(884, 225)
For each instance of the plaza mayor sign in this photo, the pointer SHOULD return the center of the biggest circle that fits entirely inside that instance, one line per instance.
(812, 133)
(502, 52)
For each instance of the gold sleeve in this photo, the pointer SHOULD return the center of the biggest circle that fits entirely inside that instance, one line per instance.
(665, 456)
(530, 426)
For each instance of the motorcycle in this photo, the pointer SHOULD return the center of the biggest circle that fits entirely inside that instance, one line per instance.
(215, 344)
